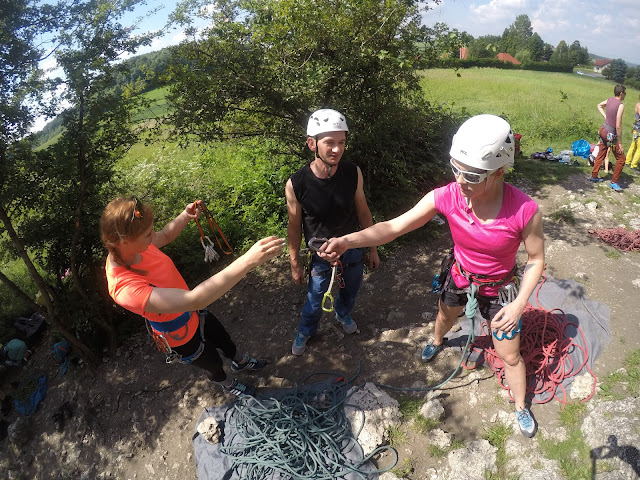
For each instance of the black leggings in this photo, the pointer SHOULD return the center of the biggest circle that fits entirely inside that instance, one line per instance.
(217, 338)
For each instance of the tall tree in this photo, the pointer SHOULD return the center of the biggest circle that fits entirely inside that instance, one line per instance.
(486, 46)
(536, 45)
(577, 54)
(516, 36)
(264, 65)
(54, 219)
(616, 70)
(561, 53)
(547, 52)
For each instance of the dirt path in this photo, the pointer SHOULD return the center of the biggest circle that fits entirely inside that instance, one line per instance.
(136, 419)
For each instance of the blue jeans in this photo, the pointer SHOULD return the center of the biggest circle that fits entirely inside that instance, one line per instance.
(319, 280)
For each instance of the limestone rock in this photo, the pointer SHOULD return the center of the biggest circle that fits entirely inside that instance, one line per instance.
(380, 412)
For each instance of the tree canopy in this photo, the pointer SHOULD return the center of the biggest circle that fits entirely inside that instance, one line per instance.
(265, 65)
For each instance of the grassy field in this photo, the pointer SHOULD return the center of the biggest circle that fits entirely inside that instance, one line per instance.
(548, 109)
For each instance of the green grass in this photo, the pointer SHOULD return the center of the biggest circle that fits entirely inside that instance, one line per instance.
(563, 215)
(630, 377)
(548, 109)
(572, 455)
(613, 255)
(572, 413)
(396, 435)
(497, 436)
(404, 470)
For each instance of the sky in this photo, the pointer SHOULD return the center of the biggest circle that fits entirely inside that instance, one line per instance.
(608, 28)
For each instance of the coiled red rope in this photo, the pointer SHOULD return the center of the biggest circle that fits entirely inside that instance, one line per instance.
(545, 348)
(619, 237)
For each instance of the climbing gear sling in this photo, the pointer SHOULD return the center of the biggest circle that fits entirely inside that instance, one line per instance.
(210, 253)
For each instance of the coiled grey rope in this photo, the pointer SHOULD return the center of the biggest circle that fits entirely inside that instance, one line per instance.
(305, 435)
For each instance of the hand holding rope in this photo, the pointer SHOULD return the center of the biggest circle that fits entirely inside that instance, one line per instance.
(210, 253)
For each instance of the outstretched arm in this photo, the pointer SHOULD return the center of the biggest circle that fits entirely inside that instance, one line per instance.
(382, 232)
(172, 229)
(172, 300)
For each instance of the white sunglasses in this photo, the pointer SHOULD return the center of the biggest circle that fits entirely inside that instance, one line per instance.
(469, 177)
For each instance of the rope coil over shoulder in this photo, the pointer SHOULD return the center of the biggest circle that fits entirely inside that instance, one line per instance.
(210, 253)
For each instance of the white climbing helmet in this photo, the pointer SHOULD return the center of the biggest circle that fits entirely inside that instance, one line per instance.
(484, 141)
(326, 120)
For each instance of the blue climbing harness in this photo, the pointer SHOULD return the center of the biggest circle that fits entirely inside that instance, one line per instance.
(171, 326)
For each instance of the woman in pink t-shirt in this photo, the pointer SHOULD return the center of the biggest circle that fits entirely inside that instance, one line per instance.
(145, 281)
(489, 219)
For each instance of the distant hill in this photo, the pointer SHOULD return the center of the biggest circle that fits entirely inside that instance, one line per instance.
(596, 57)
(149, 67)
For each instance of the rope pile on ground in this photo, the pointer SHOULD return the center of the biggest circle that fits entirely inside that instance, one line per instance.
(545, 348)
(620, 238)
(305, 435)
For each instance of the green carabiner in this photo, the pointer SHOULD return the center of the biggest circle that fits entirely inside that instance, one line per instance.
(327, 294)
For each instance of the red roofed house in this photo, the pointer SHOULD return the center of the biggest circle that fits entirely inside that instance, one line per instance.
(600, 63)
(505, 57)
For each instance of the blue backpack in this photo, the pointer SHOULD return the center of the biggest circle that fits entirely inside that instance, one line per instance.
(581, 148)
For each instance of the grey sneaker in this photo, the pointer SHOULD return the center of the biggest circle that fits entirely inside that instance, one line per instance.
(299, 344)
(528, 425)
(348, 324)
(238, 389)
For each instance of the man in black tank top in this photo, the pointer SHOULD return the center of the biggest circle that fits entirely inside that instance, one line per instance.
(325, 198)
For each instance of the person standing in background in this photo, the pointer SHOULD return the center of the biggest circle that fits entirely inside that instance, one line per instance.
(610, 134)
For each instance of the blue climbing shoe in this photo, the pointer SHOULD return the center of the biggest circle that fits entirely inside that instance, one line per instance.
(248, 363)
(527, 423)
(430, 351)
(348, 324)
(595, 180)
(616, 187)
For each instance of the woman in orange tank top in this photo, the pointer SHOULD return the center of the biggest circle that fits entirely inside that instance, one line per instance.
(145, 281)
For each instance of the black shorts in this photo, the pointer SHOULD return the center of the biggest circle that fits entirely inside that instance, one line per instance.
(488, 306)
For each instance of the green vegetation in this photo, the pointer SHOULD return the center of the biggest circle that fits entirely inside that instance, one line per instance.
(572, 454)
(404, 470)
(625, 382)
(548, 109)
(613, 254)
(396, 436)
(497, 436)
(572, 413)
(564, 215)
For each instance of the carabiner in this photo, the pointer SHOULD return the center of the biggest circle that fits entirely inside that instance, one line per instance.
(511, 334)
(327, 294)
(315, 243)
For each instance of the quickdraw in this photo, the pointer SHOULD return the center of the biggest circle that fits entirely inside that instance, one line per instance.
(210, 253)
(327, 298)
(506, 295)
